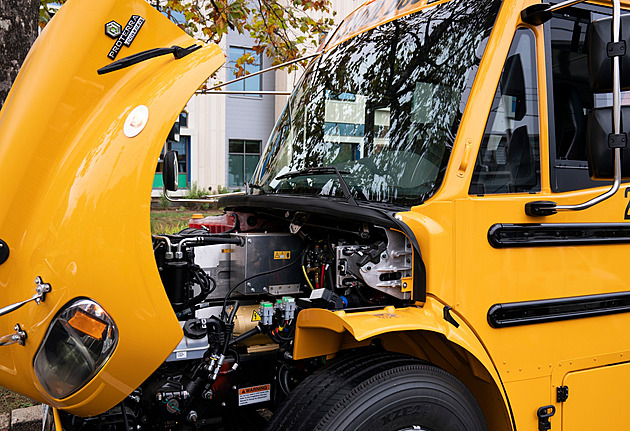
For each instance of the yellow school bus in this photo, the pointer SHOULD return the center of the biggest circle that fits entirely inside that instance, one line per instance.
(433, 238)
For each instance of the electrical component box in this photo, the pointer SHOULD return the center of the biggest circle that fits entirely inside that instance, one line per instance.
(267, 253)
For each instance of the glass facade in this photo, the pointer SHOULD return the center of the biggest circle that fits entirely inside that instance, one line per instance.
(249, 84)
(242, 161)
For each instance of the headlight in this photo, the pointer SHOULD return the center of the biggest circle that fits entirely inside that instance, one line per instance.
(80, 339)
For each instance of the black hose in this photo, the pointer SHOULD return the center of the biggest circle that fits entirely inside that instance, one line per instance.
(229, 327)
(124, 414)
(227, 295)
(206, 283)
(246, 335)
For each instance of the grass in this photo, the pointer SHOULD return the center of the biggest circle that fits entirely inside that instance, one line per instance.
(172, 221)
(10, 400)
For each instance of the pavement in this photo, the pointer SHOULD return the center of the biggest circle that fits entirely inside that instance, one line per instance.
(26, 419)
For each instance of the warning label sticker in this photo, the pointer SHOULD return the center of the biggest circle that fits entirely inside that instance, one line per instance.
(255, 316)
(281, 255)
(254, 394)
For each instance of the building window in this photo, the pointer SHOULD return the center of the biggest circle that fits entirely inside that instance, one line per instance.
(249, 84)
(243, 158)
(183, 159)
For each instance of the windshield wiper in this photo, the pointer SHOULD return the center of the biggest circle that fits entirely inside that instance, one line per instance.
(177, 51)
(324, 170)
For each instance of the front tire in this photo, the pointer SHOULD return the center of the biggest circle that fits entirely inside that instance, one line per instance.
(380, 391)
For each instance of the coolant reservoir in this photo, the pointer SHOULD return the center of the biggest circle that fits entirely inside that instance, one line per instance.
(214, 224)
(225, 222)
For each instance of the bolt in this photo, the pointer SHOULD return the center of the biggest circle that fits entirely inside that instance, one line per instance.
(249, 284)
(369, 268)
(234, 387)
(264, 289)
(249, 240)
(252, 290)
(192, 416)
(405, 285)
(207, 395)
(223, 404)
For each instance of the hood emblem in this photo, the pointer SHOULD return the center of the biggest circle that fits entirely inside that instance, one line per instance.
(123, 36)
(136, 120)
(113, 29)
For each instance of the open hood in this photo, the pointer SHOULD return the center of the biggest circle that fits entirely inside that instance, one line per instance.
(78, 152)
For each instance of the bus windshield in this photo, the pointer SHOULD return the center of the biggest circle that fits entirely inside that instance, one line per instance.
(382, 107)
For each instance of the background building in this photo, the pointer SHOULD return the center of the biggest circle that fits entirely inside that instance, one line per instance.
(222, 136)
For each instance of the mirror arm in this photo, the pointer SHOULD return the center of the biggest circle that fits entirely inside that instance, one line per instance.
(545, 208)
(251, 75)
(541, 13)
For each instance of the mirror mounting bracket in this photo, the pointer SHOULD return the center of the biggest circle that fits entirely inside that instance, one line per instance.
(541, 13)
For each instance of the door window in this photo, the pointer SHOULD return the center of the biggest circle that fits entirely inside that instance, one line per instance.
(509, 157)
(570, 96)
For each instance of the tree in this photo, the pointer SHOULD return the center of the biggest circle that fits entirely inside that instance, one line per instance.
(18, 30)
(280, 31)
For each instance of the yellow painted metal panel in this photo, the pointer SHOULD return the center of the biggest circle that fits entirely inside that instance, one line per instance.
(74, 206)
(598, 399)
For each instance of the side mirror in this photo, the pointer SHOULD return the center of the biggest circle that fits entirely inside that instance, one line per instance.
(601, 146)
(601, 51)
(173, 135)
(170, 171)
(513, 86)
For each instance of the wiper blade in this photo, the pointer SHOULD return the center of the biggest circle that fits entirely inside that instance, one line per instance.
(177, 51)
(324, 170)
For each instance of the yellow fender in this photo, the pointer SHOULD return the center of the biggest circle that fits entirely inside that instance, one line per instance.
(322, 332)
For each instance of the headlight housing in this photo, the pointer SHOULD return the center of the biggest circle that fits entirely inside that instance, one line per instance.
(80, 339)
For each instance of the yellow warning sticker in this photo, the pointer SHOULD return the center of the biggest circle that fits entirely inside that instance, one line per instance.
(226, 250)
(255, 316)
(281, 255)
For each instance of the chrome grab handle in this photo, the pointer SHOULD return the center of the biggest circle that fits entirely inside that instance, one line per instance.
(19, 337)
(40, 294)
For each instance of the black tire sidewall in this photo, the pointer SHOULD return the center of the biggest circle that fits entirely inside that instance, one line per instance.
(400, 398)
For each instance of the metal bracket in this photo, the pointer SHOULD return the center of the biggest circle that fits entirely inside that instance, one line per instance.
(617, 140)
(19, 337)
(544, 413)
(448, 317)
(562, 393)
(41, 290)
(616, 49)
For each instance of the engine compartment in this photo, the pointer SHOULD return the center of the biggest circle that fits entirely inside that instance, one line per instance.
(237, 294)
